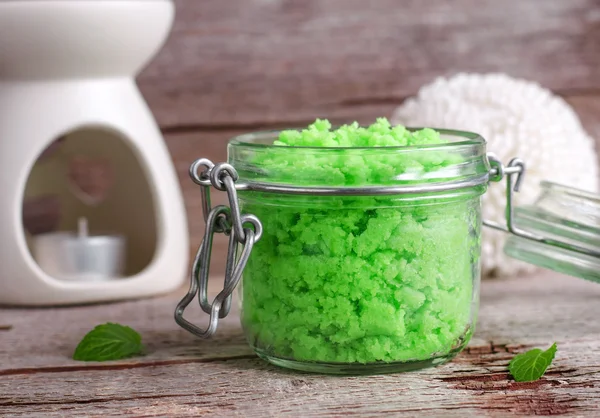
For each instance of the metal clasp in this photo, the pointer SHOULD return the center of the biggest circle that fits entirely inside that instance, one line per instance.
(220, 219)
(516, 167)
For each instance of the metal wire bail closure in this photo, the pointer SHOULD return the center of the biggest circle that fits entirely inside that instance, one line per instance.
(220, 219)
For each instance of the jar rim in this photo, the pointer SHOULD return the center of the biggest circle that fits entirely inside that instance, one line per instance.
(267, 167)
(249, 140)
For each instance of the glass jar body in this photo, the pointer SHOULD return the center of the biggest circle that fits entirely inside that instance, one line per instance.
(362, 284)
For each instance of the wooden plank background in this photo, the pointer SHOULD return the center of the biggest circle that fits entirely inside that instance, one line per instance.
(239, 65)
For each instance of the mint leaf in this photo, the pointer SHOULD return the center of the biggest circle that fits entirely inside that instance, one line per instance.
(530, 366)
(109, 342)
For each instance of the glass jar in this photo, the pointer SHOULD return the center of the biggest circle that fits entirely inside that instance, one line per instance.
(352, 260)
(352, 283)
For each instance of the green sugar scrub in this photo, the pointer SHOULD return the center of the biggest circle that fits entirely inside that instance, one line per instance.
(361, 280)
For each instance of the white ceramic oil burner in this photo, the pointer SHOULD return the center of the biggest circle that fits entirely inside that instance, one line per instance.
(67, 73)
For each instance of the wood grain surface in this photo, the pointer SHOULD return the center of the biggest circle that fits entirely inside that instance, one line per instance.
(256, 62)
(185, 376)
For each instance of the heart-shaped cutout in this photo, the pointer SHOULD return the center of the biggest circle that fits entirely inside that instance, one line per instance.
(90, 179)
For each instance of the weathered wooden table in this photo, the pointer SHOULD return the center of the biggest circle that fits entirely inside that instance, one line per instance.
(185, 376)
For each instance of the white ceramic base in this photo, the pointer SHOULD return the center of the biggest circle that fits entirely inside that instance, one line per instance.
(58, 75)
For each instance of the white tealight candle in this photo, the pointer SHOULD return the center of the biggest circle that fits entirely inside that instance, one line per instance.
(80, 256)
(82, 227)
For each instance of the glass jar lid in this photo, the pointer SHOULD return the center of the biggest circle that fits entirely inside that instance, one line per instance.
(567, 223)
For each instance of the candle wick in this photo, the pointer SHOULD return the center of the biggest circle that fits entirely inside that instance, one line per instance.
(82, 227)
